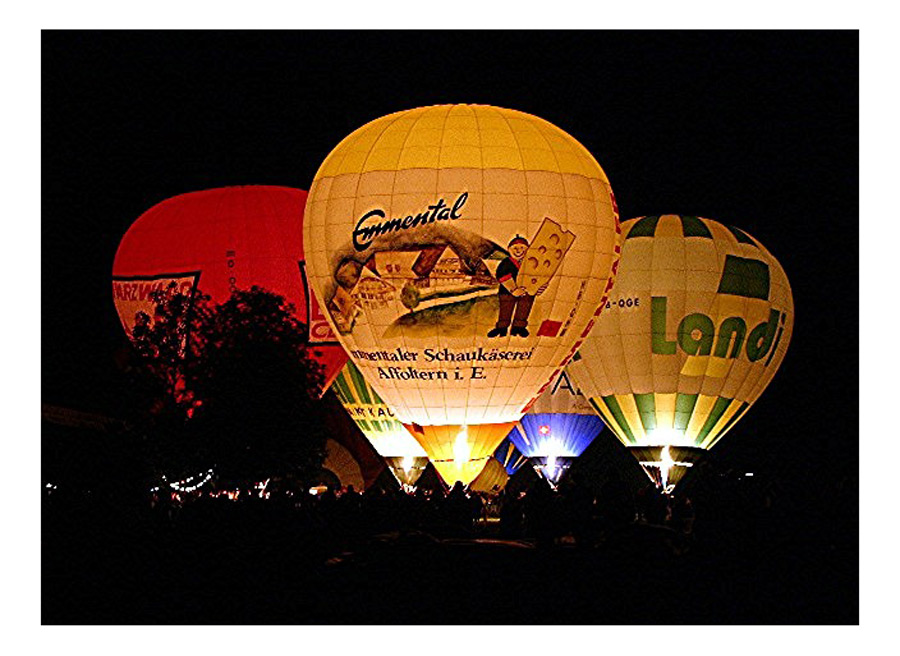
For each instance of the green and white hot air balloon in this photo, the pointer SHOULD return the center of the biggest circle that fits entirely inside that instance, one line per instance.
(697, 324)
(405, 457)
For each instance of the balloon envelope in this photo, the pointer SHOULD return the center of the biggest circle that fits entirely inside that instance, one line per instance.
(698, 322)
(558, 428)
(405, 456)
(462, 253)
(492, 478)
(509, 456)
(340, 462)
(217, 241)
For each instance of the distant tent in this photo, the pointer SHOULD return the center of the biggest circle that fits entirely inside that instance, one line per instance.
(385, 481)
(604, 456)
(340, 462)
(324, 478)
(431, 480)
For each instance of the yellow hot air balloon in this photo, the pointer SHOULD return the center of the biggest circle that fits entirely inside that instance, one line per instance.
(462, 253)
(405, 457)
(493, 478)
(696, 326)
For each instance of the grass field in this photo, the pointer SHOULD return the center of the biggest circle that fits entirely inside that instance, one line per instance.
(454, 319)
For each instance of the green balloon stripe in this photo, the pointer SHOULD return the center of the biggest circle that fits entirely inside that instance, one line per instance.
(645, 227)
(359, 383)
(646, 405)
(684, 408)
(615, 411)
(718, 410)
(737, 415)
(741, 236)
(342, 388)
(745, 277)
(691, 226)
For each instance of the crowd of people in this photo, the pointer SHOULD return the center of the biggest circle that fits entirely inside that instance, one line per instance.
(171, 556)
(542, 514)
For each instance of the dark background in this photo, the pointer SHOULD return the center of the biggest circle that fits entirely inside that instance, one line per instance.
(754, 129)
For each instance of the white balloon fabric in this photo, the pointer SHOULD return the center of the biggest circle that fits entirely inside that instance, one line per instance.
(462, 252)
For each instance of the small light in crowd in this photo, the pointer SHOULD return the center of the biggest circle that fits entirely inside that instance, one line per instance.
(749, 474)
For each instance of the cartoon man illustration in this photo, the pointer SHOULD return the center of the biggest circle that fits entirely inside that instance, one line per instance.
(515, 302)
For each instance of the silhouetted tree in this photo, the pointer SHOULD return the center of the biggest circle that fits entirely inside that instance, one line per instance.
(229, 386)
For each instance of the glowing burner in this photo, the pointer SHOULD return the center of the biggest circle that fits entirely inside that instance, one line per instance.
(461, 448)
(665, 464)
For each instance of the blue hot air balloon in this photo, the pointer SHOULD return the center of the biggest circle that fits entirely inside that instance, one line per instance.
(557, 429)
(509, 456)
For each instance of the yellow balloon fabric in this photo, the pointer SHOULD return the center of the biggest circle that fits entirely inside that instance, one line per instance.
(458, 452)
(492, 479)
(696, 326)
(405, 457)
(462, 252)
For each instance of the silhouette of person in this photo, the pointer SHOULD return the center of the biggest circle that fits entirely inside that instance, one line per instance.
(458, 509)
(539, 517)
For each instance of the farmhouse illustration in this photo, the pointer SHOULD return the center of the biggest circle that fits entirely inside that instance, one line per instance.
(411, 279)
(398, 280)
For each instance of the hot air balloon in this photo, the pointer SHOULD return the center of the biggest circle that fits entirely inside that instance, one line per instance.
(698, 323)
(557, 429)
(462, 253)
(220, 240)
(491, 479)
(509, 456)
(405, 457)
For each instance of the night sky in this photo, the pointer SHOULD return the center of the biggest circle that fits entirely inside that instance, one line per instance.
(754, 129)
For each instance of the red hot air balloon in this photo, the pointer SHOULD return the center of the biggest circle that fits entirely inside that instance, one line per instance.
(217, 241)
